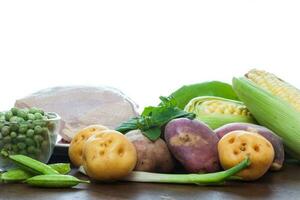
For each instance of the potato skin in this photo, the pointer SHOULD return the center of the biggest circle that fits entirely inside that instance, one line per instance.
(152, 156)
(263, 131)
(108, 156)
(236, 145)
(75, 149)
(193, 144)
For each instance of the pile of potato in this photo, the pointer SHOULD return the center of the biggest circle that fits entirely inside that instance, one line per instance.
(200, 149)
(108, 155)
(104, 154)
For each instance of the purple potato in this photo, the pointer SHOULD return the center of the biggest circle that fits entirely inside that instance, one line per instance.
(193, 144)
(263, 131)
(152, 156)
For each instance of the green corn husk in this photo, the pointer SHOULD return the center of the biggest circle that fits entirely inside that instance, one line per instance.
(271, 111)
(217, 111)
(212, 88)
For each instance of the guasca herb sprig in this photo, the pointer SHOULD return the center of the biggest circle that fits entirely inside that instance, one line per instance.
(153, 118)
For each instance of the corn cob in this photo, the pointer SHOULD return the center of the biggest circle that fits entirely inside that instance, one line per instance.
(274, 104)
(217, 111)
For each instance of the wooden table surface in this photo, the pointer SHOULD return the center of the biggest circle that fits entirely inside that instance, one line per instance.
(281, 185)
(276, 185)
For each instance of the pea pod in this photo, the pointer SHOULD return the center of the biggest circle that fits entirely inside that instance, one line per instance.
(62, 168)
(54, 181)
(18, 175)
(213, 88)
(31, 165)
(15, 175)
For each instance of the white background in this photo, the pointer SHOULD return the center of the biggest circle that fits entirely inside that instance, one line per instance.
(146, 49)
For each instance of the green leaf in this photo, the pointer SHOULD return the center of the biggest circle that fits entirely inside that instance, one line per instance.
(213, 88)
(153, 133)
(147, 110)
(153, 118)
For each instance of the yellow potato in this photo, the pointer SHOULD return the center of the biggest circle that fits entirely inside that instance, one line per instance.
(236, 145)
(108, 156)
(75, 149)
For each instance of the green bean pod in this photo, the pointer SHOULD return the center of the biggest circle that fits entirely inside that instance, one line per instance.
(31, 165)
(15, 175)
(54, 181)
(18, 174)
(61, 168)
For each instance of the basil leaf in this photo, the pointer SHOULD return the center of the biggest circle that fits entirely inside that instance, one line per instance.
(153, 133)
(153, 118)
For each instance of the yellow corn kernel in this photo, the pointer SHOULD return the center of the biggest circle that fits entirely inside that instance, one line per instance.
(227, 111)
(237, 112)
(276, 86)
(219, 110)
(244, 112)
(231, 109)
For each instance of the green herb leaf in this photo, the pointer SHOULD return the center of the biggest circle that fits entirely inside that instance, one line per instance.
(153, 118)
(153, 133)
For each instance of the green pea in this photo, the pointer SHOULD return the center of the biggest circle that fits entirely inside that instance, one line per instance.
(41, 111)
(15, 148)
(31, 149)
(7, 147)
(4, 153)
(37, 151)
(21, 138)
(51, 126)
(14, 119)
(29, 142)
(45, 145)
(14, 111)
(45, 131)
(23, 128)
(13, 134)
(7, 139)
(1, 136)
(30, 133)
(23, 152)
(1, 125)
(38, 116)
(38, 138)
(14, 126)
(38, 130)
(22, 113)
(39, 123)
(21, 145)
(33, 110)
(5, 130)
(30, 125)
(8, 115)
(30, 116)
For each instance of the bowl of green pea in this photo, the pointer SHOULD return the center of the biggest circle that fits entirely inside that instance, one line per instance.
(28, 131)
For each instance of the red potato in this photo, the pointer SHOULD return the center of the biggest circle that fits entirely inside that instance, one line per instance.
(263, 131)
(193, 144)
(152, 156)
